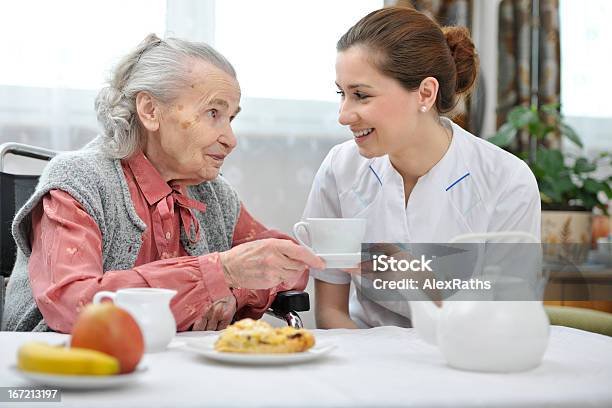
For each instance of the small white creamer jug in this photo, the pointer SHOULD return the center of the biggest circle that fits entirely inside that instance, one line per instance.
(150, 307)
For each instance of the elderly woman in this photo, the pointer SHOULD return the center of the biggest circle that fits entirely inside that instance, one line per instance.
(143, 205)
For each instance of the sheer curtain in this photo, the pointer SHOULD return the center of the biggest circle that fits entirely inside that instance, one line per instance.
(284, 54)
(585, 32)
(57, 55)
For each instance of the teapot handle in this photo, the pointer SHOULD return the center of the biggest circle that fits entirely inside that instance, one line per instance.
(102, 295)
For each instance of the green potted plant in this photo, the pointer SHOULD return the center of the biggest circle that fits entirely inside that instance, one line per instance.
(568, 184)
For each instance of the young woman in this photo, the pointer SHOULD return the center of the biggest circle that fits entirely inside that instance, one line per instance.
(413, 174)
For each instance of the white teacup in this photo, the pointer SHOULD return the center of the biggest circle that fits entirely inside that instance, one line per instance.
(150, 307)
(332, 235)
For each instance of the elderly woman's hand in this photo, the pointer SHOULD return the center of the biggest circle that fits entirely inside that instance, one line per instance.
(266, 263)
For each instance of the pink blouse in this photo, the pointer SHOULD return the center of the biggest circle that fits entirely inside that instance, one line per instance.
(65, 267)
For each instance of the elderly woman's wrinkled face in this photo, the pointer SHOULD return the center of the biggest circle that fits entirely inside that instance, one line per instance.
(195, 133)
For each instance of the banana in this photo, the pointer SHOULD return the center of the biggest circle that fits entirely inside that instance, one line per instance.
(45, 358)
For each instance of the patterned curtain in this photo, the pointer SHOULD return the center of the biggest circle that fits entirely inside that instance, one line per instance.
(454, 13)
(445, 12)
(518, 56)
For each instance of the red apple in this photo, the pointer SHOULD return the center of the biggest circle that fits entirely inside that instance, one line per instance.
(111, 330)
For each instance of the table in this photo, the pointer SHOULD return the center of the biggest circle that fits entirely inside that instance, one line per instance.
(380, 367)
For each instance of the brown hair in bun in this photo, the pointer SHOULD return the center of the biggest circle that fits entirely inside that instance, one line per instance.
(409, 46)
(465, 56)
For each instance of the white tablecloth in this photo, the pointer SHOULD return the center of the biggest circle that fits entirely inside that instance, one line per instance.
(381, 367)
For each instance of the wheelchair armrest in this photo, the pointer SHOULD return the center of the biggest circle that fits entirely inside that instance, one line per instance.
(287, 304)
(290, 301)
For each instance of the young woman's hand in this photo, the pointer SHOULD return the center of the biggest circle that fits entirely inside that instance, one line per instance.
(331, 311)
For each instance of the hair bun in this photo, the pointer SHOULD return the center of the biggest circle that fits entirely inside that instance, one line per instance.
(113, 112)
(464, 53)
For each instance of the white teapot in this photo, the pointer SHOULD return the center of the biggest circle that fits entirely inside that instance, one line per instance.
(485, 335)
(150, 307)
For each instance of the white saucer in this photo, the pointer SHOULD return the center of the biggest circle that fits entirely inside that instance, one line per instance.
(83, 382)
(335, 261)
(205, 347)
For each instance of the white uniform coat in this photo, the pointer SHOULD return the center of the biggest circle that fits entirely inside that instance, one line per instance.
(475, 187)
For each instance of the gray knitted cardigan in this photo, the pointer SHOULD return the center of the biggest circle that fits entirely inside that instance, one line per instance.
(98, 184)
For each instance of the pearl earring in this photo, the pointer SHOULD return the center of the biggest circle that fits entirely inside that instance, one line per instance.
(423, 109)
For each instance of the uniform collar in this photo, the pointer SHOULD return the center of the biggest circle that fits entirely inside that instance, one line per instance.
(450, 169)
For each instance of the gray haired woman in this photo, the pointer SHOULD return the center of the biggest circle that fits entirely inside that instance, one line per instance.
(143, 204)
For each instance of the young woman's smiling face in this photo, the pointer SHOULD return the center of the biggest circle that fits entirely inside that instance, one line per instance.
(381, 113)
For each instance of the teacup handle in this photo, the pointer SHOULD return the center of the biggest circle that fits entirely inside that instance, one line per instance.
(296, 228)
(103, 294)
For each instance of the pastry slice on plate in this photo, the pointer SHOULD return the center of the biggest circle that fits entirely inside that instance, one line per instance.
(258, 337)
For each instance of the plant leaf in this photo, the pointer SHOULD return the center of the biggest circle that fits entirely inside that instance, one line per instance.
(607, 189)
(582, 165)
(504, 136)
(537, 129)
(593, 186)
(550, 161)
(520, 116)
(571, 134)
(587, 200)
(564, 184)
(545, 198)
(552, 109)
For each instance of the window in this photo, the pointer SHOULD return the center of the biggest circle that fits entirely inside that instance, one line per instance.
(61, 51)
(288, 51)
(585, 64)
(70, 43)
(284, 53)
(57, 53)
(56, 56)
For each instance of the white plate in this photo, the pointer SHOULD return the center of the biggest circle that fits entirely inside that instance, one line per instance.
(342, 260)
(205, 347)
(87, 382)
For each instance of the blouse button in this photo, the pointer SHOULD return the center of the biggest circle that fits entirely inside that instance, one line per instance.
(168, 235)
